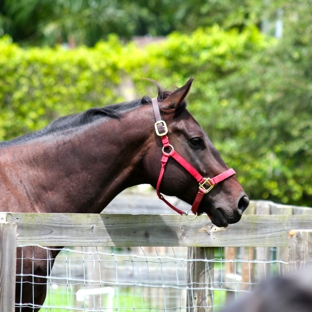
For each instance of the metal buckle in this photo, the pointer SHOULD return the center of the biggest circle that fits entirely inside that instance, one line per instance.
(163, 123)
(202, 186)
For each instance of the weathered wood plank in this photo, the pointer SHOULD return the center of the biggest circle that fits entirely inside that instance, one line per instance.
(302, 210)
(153, 230)
(300, 248)
(282, 209)
(248, 269)
(251, 208)
(263, 207)
(200, 277)
(282, 253)
(7, 266)
(263, 253)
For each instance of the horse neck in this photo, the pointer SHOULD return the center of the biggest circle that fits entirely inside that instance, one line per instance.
(84, 169)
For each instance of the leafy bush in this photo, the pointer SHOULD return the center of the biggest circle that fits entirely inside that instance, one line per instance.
(235, 86)
(38, 85)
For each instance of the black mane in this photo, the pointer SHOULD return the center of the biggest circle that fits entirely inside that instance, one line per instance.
(86, 117)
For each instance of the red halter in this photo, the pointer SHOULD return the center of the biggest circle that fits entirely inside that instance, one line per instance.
(205, 184)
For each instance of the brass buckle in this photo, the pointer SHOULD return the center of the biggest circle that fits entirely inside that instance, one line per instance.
(163, 123)
(210, 186)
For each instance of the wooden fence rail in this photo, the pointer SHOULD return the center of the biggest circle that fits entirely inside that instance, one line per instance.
(284, 229)
(152, 230)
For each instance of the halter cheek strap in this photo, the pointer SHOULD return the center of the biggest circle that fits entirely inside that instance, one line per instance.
(205, 184)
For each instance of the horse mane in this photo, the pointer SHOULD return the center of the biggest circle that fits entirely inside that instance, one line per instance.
(89, 116)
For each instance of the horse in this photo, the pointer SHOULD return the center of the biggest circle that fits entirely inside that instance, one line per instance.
(80, 162)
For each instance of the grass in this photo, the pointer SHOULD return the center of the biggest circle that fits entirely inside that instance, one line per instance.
(60, 299)
(219, 299)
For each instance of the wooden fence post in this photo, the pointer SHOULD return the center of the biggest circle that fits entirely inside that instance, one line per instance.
(263, 253)
(200, 278)
(7, 265)
(299, 248)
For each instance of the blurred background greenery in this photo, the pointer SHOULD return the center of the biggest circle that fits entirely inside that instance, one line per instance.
(251, 60)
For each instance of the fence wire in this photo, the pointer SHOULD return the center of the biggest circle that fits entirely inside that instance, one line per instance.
(151, 278)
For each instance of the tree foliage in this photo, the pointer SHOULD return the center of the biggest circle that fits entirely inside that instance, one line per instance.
(275, 93)
(88, 21)
(84, 22)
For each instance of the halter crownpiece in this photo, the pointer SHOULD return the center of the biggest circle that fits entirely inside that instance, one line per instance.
(205, 184)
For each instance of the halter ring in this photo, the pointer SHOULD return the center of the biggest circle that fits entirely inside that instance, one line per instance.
(190, 217)
(167, 146)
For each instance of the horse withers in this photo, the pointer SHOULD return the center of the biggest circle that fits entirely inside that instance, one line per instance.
(80, 162)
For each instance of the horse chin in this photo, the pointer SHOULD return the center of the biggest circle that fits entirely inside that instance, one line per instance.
(218, 218)
(221, 219)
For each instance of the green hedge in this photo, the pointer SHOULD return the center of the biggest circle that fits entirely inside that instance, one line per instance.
(39, 84)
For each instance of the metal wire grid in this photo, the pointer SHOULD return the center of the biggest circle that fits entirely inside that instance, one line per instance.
(149, 278)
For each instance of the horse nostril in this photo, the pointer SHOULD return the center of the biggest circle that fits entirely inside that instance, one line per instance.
(243, 203)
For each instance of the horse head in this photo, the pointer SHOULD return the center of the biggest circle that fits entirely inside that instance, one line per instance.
(183, 162)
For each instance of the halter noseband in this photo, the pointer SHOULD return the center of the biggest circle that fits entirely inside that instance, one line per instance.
(205, 184)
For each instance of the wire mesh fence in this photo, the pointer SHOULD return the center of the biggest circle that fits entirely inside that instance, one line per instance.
(152, 278)
(178, 278)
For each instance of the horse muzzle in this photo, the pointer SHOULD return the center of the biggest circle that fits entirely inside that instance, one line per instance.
(222, 216)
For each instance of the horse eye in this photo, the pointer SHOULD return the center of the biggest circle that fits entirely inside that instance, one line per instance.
(197, 142)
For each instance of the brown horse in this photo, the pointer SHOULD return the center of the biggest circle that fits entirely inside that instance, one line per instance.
(79, 163)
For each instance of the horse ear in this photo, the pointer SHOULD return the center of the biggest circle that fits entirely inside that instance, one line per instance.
(175, 100)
